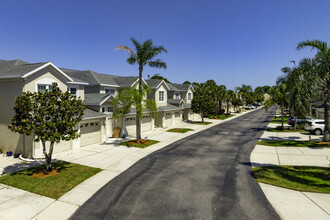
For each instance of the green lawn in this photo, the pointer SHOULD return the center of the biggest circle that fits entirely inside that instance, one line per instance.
(286, 130)
(53, 186)
(201, 123)
(301, 178)
(293, 143)
(143, 143)
(179, 130)
(278, 120)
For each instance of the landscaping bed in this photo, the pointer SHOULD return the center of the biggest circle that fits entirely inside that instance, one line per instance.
(54, 184)
(179, 130)
(312, 144)
(301, 178)
(143, 143)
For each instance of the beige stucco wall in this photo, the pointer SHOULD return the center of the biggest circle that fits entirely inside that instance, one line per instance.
(9, 90)
(45, 76)
(161, 88)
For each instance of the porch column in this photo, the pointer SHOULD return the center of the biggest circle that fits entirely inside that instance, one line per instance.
(76, 142)
(173, 119)
(163, 120)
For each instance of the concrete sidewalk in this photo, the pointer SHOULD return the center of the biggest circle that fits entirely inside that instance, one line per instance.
(291, 204)
(112, 158)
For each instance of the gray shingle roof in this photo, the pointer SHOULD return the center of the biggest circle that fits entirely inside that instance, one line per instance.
(125, 81)
(182, 87)
(89, 113)
(175, 102)
(95, 98)
(186, 105)
(173, 88)
(17, 68)
(168, 107)
(153, 83)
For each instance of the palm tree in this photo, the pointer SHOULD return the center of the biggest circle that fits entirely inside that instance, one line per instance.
(220, 96)
(230, 95)
(322, 59)
(144, 54)
(126, 97)
(243, 91)
(278, 96)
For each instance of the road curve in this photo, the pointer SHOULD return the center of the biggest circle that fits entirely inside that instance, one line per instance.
(204, 176)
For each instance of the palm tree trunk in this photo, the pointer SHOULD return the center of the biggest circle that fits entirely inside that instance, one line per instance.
(138, 125)
(282, 114)
(326, 136)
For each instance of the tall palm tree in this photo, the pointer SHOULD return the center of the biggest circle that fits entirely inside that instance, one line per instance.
(220, 96)
(143, 54)
(278, 97)
(323, 72)
(243, 91)
(230, 95)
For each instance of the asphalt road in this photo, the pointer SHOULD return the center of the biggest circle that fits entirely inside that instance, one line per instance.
(205, 176)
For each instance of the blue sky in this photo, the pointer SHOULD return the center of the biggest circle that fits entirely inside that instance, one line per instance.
(232, 42)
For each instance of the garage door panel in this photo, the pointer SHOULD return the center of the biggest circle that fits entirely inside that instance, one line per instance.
(90, 133)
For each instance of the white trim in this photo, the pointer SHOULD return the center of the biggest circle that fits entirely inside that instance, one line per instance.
(94, 117)
(43, 66)
(11, 77)
(107, 98)
(138, 81)
(109, 85)
(163, 81)
(192, 88)
(77, 83)
(44, 82)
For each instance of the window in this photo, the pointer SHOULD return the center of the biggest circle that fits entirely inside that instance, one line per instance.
(110, 109)
(43, 88)
(109, 91)
(73, 91)
(161, 96)
(103, 109)
(189, 96)
(177, 95)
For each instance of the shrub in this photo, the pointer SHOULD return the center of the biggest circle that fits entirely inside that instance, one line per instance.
(280, 128)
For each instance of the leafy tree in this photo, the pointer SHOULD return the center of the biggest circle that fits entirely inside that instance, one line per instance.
(203, 100)
(144, 54)
(195, 83)
(51, 116)
(322, 71)
(157, 76)
(130, 96)
(186, 82)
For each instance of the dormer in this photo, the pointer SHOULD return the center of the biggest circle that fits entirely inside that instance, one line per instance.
(159, 91)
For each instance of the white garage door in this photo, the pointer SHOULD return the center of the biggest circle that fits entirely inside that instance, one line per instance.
(146, 123)
(168, 119)
(177, 118)
(130, 125)
(90, 133)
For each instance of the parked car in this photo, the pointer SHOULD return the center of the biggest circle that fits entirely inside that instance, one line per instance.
(292, 119)
(315, 126)
(249, 107)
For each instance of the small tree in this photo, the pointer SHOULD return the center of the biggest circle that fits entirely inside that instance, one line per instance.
(237, 102)
(203, 101)
(128, 97)
(51, 116)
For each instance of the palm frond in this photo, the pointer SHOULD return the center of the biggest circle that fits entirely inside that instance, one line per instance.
(157, 63)
(127, 49)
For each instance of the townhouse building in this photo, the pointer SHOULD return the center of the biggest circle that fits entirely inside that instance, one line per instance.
(97, 92)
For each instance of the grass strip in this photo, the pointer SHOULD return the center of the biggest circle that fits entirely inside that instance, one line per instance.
(179, 130)
(278, 120)
(301, 178)
(143, 143)
(70, 175)
(311, 144)
(286, 130)
(201, 123)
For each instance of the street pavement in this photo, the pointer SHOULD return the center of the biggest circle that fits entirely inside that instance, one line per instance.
(204, 176)
(115, 159)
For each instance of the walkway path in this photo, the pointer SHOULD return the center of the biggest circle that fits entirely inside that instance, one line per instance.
(291, 204)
